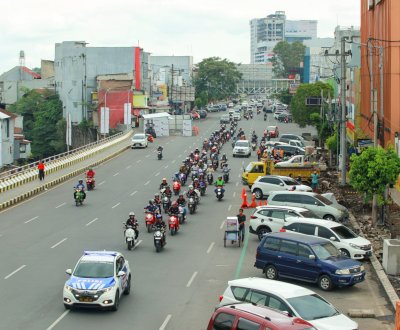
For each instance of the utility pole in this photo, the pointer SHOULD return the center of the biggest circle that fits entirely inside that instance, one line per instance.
(373, 94)
(343, 112)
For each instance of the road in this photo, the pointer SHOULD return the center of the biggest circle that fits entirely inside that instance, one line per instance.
(175, 289)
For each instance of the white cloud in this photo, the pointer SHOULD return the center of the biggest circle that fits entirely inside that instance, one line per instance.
(201, 28)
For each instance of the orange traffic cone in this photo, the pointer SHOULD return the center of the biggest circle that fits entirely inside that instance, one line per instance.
(253, 201)
(244, 204)
(243, 192)
(260, 203)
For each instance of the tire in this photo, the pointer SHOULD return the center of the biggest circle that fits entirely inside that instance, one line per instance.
(115, 307)
(270, 272)
(130, 245)
(158, 248)
(172, 231)
(325, 283)
(329, 217)
(258, 193)
(345, 253)
(191, 210)
(127, 290)
(149, 228)
(76, 202)
(261, 231)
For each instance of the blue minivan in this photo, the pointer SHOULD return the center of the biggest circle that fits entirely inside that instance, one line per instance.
(307, 258)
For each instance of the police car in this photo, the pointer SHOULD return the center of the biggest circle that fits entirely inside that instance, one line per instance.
(98, 280)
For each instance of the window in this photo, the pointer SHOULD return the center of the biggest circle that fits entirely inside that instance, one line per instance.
(277, 214)
(257, 298)
(343, 232)
(272, 243)
(307, 200)
(223, 321)
(288, 247)
(277, 304)
(304, 251)
(325, 232)
(239, 293)
(258, 169)
(7, 127)
(244, 324)
(281, 198)
(274, 181)
(307, 229)
(293, 227)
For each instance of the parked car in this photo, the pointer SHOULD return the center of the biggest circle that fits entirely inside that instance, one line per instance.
(224, 119)
(320, 205)
(242, 148)
(139, 140)
(202, 113)
(291, 137)
(213, 108)
(350, 244)
(245, 316)
(195, 115)
(273, 131)
(289, 150)
(292, 299)
(222, 107)
(271, 218)
(265, 184)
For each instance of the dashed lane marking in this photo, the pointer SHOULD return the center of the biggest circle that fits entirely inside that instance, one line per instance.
(90, 222)
(58, 320)
(116, 174)
(15, 271)
(116, 205)
(210, 247)
(58, 206)
(134, 193)
(31, 219)
(146, 183)
(191, 280)
(102, 182)
(57, 244)
(164, 323)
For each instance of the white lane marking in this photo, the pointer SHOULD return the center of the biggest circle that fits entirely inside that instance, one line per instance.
(102, 182)
(166, 166)
(146, 183)
(60, 205)
(116, 205)
(137, 244)
(116, 174)
(147, 156)
(34, 218)
(157, 174)
(179, 156)
(221, 265)
(191, 280)
(173, 161)
(165, 322)
(57, 244)
(138, 161)
(90, 222)
(222, 225)
(134, 192)
(237, 184)
(234, 194)
(58, 320)
(229, 207)
(185, 151)
(15, 271)
(239, 176)
(128, 167)
(210, 247)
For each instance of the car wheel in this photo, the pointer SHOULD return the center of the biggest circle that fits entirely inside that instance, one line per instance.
(128, 286)
(261, 231)
(325, 283)
(270, 272)
(329, 217)
(258, 193)
(345, 253)
(116, 302)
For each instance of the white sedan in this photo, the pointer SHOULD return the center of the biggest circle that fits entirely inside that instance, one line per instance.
(139, 140)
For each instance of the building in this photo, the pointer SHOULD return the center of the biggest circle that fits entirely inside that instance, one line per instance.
(380, 67)
(7, 121)
(315, 66)
(266, 32)
(78, 66)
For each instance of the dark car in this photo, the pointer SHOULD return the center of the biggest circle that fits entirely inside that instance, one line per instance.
(283, 116)
(202, 113)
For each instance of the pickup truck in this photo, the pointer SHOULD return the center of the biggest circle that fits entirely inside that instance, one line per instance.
(300, 161)
(267, 167)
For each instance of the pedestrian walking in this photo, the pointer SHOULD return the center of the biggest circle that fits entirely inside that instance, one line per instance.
(314, 181)
(41, 170)
(241, 219)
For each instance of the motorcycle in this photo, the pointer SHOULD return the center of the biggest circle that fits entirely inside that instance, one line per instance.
(219, 193)
(90, 183)
(166, 203)
(192, 205)
(181, 216)
(225, 176)
(265, 117)
(150, 220)
(78, 197)
(210, 178)
(159, 240)
(176, 187)
(202, 188)
(173, 224)
(194, 174)
(182, 178)
(159, 154)
(130, 237)
(215, 164)
(253, 146)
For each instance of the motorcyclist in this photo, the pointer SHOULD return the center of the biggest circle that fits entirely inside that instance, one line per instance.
(226, 169)
(90, 173)
(196, 183)
(176, 185)
(219, 183)
(151, 208)
(174, 209)
(191, 192)
(157, 201)
(163, 184)
(223, 160)
(80, 186)
(160, 225)
(160, 148)
(133, 223)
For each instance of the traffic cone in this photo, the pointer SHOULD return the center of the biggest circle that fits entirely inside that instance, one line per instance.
(260, 203)
(253, 201)
(243, 192)
(244, 204)
(265, 202)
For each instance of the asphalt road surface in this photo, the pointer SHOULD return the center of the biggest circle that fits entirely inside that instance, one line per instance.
(175, 289)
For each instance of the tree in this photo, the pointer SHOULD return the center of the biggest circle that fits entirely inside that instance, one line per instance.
(372, 171)
(217, 78)
(286, 57)
(284, 96)
(201, 100)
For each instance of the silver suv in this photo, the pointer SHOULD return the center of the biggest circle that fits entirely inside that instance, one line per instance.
(265, 184)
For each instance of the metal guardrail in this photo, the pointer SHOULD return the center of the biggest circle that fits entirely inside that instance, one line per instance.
(19, 170)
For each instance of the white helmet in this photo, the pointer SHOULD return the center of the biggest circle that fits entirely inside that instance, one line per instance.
(131, 213)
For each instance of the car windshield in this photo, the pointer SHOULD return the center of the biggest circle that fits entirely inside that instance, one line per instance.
(271, 128)
(343, 232)
(290, 182)
(138, 137)
(324, 200)
(249, 167)
(325, 250)
(241, 144)
(309, 214)
(312, 307)
(94, 269)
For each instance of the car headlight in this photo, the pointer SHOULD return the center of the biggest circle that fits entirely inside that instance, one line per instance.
(68, 288)
(354, 246)
(362, 268)
(342, 272)
(105, 290)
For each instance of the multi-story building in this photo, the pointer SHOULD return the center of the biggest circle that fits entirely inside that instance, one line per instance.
(266, 32)
(380, 65)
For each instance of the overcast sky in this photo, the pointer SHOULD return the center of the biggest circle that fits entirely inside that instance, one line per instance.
(201, 28)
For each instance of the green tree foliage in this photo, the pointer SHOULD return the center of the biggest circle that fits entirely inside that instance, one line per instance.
(217, 78)
(201, 100)
(287, 56)
(373, 170)
(43, 122)
(305, 114)
(332, 142)
(284, 96)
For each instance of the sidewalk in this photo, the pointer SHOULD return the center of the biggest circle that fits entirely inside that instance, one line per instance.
(27, 190)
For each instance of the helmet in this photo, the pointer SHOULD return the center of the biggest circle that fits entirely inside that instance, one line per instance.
(190, 187)
(196, 179)
(200, 171)
(220, 177)
(175, 203)
(131, 214)
(150, 201)
(158, 216)
(180, 195)
(176, 173)
(157, 196)
(80, 181)
(164, 179)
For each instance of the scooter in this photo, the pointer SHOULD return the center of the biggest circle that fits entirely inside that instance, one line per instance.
(78, 197)
(182, 178)
(159, 154)
(219, 193)
(176, 187)
(130, 237)
(210, 178)
(225, 176)
(90, 182)
(173, 224)
(202, 188)
(181, 216)
(166, 203)
(150, 220)
(253, 146)
(192, 205)
(159, 240)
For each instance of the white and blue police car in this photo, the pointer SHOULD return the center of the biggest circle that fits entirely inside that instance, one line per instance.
(98, 280)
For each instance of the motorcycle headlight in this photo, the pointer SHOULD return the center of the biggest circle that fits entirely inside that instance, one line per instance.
(342, 272)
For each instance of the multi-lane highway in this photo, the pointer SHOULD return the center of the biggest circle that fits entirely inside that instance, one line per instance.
(174, 289)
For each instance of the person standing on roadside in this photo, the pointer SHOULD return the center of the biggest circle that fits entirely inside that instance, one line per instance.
(41, 170)
(314, 181)
(241, 220)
